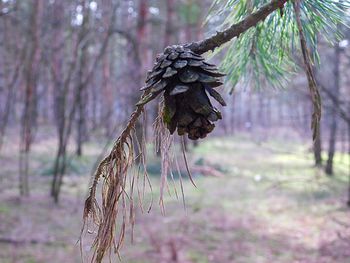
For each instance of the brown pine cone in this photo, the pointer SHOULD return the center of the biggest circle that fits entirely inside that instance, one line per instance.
(186, 80)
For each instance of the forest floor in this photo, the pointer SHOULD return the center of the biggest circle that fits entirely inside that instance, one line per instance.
(266, 204)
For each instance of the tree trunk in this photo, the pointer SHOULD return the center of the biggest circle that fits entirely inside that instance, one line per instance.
(59, 170)
(249, 117)
(108, 96)
(169, 28)
(233, 112)
(31, 72)
(348, 124)
(261, 111)
(334, 118)
(81, 92)
(268, 112)
(317, 148)
(8, 104)
(139, 63)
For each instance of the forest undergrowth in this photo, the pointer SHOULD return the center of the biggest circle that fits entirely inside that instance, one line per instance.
(265, 203)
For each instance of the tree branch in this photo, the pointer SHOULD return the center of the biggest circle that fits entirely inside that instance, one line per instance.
(235, 30)
(205, 45)
(114, 167)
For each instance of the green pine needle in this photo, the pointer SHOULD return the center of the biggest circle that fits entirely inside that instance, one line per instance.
(265, 54)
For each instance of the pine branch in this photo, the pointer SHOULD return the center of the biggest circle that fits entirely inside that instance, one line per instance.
(235, 30)
(201, 47)
(114, 167)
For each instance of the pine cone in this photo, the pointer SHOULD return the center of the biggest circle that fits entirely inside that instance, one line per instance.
(186, 79)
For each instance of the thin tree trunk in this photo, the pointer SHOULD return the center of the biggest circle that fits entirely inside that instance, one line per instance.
(108, 96)
(169, 28)
(61, 90)
(261, 111)
(343, 139)
(249, 117)
(268, 112)
(60, 169)
(348, 124)
(317, 148)
(29, 111)
(8, 104)
(334, 117)
(57, 172)
(81, 102)
(139, 62)
(233, 112)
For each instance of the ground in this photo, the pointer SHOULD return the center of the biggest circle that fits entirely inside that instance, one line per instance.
(269, 205)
